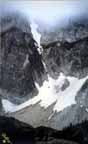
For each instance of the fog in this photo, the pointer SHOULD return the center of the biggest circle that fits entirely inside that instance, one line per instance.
(48, 12)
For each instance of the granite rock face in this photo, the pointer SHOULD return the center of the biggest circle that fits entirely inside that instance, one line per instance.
(20, 63)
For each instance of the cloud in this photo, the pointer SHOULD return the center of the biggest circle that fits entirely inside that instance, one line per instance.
(48, 11)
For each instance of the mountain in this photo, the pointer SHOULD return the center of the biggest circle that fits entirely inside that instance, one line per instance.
(20, 63)
(69, 58)
(43, 74)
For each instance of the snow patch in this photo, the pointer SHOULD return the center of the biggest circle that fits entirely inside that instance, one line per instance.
(67, 97)
(8, 106)
(36, 36)
(48, 94)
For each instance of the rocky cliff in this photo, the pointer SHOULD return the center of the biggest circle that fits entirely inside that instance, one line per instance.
(58, 77)
(20, 63)
(65, 49)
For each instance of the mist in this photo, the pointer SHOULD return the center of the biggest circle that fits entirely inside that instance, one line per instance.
(47, 12)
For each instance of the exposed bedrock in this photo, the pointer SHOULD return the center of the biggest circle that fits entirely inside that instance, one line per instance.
(66, 49)
(21, 66)
(20, 63)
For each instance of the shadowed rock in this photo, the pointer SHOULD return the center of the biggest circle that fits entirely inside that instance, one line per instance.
(20, 63)
(19, 132)
(69, 58)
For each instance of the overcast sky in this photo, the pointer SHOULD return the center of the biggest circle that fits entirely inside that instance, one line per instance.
(48, 11)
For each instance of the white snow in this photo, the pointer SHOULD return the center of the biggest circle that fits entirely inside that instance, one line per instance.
(67, 97)
(36, 35)
(50, 91)
(8, 106)
(48, 94)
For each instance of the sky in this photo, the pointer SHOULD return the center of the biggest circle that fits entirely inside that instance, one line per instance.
(47, 11)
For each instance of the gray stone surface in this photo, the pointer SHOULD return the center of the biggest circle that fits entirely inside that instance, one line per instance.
(38, 116)
(69, 58)
(20, 63)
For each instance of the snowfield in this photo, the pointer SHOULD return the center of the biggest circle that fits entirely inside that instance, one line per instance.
(50, 92)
